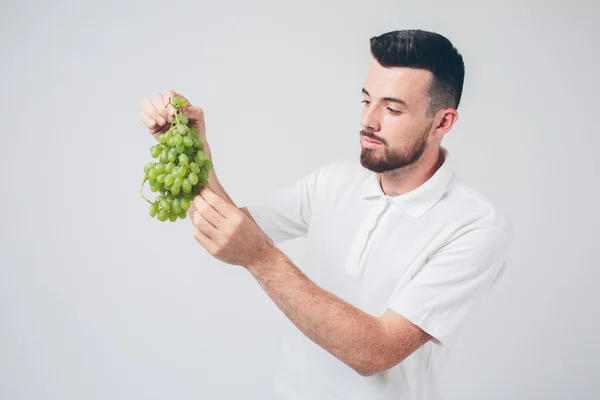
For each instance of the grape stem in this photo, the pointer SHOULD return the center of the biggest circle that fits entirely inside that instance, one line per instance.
(142, 194)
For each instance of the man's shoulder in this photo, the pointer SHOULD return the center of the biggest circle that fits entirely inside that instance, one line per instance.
(476, 209)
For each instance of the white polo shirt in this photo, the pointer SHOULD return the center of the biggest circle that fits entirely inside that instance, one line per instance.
(429, 254)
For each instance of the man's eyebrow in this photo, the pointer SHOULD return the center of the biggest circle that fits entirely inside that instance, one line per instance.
(392, 99)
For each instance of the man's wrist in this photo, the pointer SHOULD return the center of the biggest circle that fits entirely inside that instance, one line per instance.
(270, 257)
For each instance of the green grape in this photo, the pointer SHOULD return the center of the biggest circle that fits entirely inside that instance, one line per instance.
(163, 156)
(149, 166)
(153, 173)
(186, 186)
(155, 150)
(181, 169)
(179, 101)
(195, 168)
(176, 205)
(162, 215)
(184, 203)
(193, 178)
(178, 182)
(165, 205)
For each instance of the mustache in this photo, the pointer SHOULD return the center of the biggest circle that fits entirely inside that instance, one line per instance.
(371, 136)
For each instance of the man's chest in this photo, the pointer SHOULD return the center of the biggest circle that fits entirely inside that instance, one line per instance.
(362, 250)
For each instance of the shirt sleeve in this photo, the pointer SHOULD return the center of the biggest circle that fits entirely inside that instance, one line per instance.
(454, 279)
(285, 213)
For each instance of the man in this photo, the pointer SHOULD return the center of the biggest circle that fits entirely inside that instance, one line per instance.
(399, 249)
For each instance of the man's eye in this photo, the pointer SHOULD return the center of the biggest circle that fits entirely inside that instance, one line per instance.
(391, 109)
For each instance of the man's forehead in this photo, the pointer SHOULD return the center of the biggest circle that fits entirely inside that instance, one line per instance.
(409, 83)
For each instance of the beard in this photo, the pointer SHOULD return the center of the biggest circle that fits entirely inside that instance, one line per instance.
(381, 159)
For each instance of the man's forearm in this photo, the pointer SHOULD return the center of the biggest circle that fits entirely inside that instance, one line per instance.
(351, 335)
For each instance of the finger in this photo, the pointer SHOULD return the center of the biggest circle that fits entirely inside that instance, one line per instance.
(205, 227)
(205, 241)
(220, 205)
(150, 110)
(191, 210)
(147, 120)
(159, 105)
(211, 215)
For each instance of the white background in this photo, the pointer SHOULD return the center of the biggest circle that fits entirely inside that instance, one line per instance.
(99, 301)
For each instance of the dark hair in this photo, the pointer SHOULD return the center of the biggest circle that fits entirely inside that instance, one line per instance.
(425, 50)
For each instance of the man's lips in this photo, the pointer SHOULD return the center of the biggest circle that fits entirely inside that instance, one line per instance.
(371, 140)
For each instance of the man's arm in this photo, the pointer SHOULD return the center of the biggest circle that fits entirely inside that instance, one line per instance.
(367, 344)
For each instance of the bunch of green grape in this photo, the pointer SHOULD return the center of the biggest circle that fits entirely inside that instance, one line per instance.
(182, 168)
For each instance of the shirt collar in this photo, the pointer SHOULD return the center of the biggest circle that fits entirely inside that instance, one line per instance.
(419, 200)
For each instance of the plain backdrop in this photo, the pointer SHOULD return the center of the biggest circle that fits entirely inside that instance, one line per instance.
(100, 301)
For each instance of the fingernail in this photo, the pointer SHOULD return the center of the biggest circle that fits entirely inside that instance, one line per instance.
(150, 124)
(170, 118)
(161, 121)
(171, 110)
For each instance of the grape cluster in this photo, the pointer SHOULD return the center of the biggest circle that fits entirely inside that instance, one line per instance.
(181, 170)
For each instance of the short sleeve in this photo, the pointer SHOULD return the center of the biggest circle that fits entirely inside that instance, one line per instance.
(285, 214)
(454, 279)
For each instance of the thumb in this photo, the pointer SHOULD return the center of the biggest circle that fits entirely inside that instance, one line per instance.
(194, 113)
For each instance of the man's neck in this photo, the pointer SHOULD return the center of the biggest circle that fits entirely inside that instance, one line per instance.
(403, 180)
